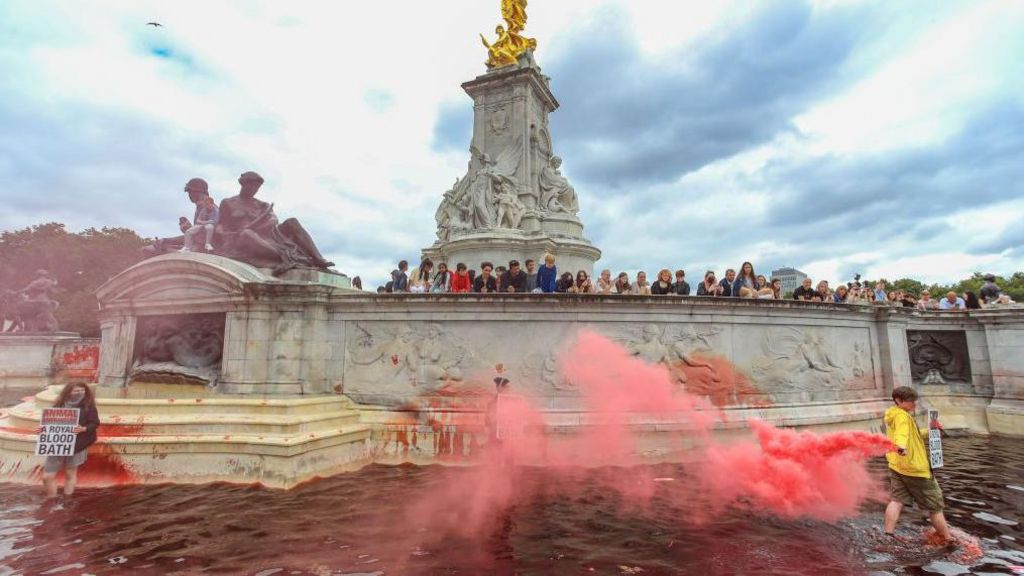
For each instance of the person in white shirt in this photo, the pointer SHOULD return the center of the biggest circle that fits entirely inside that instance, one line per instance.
(952, 302)
(926, 302)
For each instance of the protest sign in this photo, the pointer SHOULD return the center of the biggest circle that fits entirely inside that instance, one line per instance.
(934, 440)
(58, 435)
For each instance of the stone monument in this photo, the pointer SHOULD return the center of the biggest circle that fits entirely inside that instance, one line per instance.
(31, 308)
(513, 202)
(249, 231)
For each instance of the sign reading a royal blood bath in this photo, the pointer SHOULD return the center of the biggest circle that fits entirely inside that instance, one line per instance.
(58, 435)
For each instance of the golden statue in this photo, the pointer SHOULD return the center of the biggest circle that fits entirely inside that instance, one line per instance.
(510, 44)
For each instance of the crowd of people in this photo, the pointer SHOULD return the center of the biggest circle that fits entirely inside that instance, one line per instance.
(531, 277)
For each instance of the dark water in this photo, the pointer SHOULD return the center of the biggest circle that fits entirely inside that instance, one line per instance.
(356, 524)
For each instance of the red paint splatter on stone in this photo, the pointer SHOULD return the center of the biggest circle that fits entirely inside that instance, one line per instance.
(102, 468)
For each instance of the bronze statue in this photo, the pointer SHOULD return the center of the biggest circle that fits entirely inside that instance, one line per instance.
(31, 308)
(248, 231)
(198, 190)
(510, 44)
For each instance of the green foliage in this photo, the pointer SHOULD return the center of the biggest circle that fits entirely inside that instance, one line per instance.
(907, 285)
(1014, 285)
(80, 262)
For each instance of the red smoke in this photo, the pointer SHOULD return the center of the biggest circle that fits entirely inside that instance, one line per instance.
(793, 474)
(782, 472)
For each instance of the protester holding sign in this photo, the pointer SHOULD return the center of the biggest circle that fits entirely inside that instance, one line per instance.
(911, 480)
(77, 397)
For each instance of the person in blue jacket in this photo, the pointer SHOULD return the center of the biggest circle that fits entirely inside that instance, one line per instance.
(747, 278)
(547, 276)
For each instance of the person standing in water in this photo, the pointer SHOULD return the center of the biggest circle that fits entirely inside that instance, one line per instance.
(911, 480)
(80, 396)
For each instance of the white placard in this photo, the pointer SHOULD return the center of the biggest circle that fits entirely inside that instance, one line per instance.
(509, 410)
(58, 435)
(934, 441)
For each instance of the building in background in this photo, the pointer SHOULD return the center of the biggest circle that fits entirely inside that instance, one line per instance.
(791, 278)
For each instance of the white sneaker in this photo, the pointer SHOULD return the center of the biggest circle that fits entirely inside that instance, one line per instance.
(209, 247)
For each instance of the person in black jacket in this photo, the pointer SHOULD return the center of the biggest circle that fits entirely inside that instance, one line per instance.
(663, 285)
(726, 283)
(485, 283)
(681, 286)
(564, 283)
(515, 278)
(80, 396)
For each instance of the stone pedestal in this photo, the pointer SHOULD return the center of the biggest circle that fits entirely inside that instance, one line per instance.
(272, 334)
(29, 362)
(512, 156)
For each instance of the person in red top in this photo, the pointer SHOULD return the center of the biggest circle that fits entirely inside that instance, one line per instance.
(461, 281)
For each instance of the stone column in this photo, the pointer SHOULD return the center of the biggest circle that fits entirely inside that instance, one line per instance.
(891, 331)
(1004, 333)
(117, 347)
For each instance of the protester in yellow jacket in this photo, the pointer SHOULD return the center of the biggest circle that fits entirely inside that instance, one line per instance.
(910, 475)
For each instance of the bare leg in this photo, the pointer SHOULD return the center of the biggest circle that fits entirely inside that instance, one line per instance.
(70, 478)
(297, 234)
(209, 233)
(190, 238)
(251, 245)
(892, 515)
(939, 523)
(50, 484)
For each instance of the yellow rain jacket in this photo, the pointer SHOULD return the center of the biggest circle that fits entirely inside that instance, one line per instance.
(902, 430)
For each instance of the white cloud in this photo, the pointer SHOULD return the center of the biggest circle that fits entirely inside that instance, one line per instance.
(335, 104)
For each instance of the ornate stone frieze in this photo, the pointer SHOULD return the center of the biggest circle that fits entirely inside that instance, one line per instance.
(810, 359)
(185, 348)
(938, 357)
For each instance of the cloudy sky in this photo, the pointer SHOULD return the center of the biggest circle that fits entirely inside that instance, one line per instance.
(885, 138)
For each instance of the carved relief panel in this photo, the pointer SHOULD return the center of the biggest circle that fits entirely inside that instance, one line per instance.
(938, 357)
(179, 349)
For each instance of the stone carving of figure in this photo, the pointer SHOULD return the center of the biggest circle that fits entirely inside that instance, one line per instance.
(481, 198)
(493, 179)
(510, 208)
(653, 349)
(249, 231)
(650, 348)
(797, 359)
(189, 341)
(428, 361)
(556, 194)
(451, 217)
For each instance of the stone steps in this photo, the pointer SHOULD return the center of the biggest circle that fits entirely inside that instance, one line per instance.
(27, 416)
(222, 404)
(24, 440)
(277, 441)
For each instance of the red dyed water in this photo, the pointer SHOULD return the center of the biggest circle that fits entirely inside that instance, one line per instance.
(357, 524)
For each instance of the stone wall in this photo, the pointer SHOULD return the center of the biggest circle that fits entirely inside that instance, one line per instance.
(798, 362)
(30, 362)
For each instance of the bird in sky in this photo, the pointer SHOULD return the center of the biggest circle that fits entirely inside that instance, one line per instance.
(154, 24)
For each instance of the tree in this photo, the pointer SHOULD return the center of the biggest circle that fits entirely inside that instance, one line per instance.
(907, 285)
(80, 262)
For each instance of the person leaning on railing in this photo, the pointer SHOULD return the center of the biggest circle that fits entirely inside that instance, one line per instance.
(622, 285)
(461, 281)
(710, 286)
(663, 285)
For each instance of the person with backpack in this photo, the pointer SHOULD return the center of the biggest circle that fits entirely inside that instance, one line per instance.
(399, 279)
